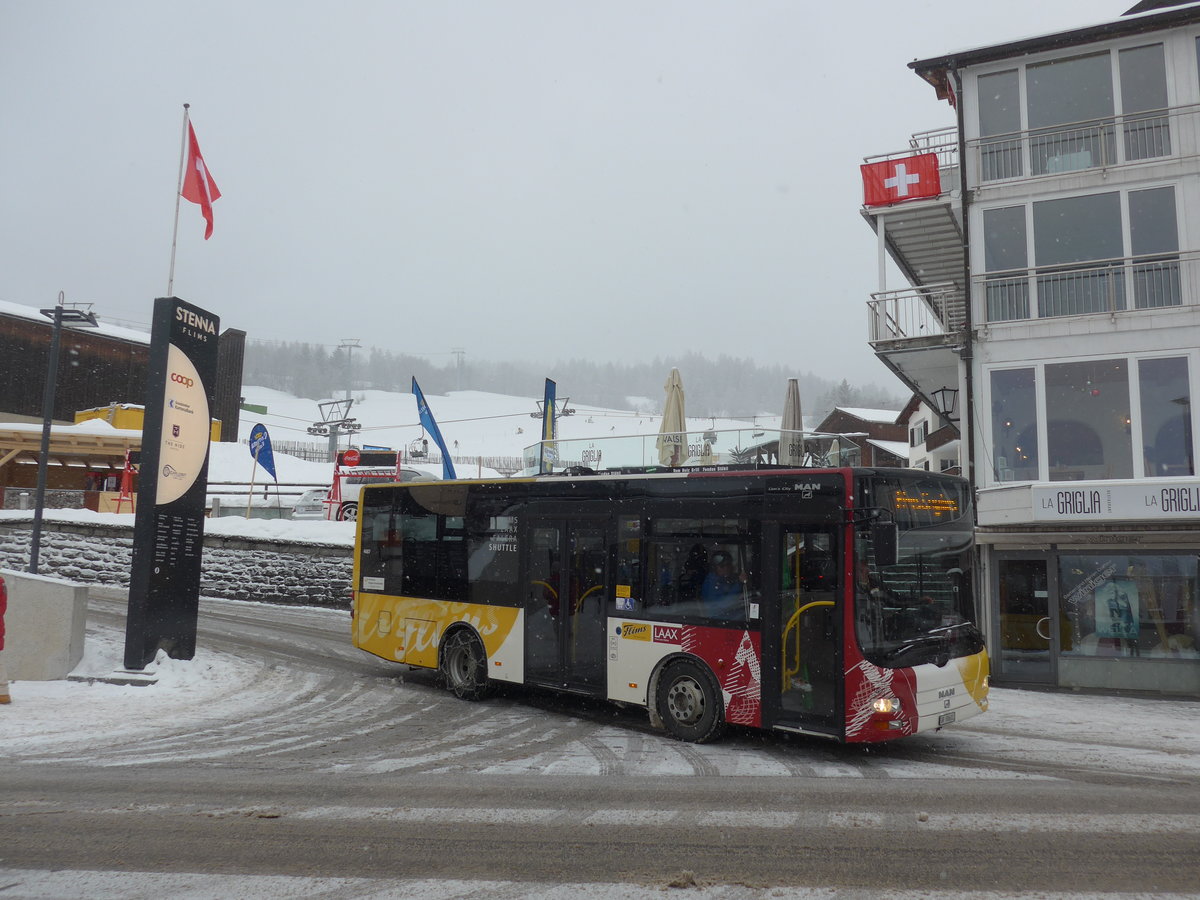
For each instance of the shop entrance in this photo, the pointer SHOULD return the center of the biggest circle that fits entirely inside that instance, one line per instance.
(1028, 620)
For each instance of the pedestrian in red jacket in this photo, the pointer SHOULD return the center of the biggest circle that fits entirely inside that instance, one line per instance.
(4, 695)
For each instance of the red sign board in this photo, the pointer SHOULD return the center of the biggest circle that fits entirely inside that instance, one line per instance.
(350, 458)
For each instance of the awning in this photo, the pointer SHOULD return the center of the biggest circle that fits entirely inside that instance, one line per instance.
(92, 444)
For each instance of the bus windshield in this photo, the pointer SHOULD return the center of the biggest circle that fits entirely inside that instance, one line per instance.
(921, 608)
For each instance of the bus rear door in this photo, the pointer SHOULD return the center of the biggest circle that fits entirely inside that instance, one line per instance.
(566, 595)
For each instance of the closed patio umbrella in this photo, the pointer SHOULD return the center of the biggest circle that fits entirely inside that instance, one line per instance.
(791, 429)
(672, 436)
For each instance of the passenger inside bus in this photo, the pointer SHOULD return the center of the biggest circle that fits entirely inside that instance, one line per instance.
(723, 589)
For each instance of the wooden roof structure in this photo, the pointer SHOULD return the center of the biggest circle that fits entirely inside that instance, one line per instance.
(93, 444)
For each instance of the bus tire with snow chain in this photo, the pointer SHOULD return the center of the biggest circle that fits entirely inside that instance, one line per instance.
(688, 700)
(464, 665)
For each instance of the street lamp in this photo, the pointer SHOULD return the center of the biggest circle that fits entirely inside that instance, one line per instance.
(60, 314)
(945, 401)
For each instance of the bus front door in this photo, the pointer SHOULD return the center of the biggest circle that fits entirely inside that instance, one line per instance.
(565, 605)
(801, 688)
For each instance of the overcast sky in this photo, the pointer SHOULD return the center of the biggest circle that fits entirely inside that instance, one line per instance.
(608, 180)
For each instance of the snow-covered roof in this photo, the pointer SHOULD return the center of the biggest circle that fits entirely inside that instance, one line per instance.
(113, 331)
(872, 415)
(896, 448)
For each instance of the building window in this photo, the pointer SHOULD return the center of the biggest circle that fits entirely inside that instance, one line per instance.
(1166, 417)
(1081, 264)
(1071, 124)
(1000, 126)
(1070, 236)
(917, 434)
(1006, 254)
(1014, 425)
(1130, 605)
(1144, 102)
(1154, 241)
(1087, 420)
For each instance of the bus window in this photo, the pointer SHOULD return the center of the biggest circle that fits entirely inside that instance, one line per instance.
(916, 607)
(701, 579)
(628, 593)
(492, 559)
(411, 551)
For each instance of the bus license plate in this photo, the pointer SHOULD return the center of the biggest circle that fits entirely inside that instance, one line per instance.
(945, 719)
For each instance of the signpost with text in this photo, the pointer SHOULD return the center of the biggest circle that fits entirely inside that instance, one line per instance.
(168, 531)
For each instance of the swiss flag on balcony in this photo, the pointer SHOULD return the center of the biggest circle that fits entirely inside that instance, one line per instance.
(894, 180)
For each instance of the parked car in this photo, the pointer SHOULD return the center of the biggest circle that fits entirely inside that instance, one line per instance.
(353, 481)
(311, 504)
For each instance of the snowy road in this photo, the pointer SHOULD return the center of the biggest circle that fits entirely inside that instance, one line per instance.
(284, 754)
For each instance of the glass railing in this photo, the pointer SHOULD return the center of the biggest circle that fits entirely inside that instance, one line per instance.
(693, 449)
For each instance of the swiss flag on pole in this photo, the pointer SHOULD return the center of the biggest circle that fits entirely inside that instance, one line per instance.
(198, 185)
(885, 183)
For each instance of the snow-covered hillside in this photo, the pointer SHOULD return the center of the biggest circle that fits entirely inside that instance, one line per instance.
(474, 423)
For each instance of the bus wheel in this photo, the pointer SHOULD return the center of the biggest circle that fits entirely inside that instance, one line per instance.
(464, 665)
(347, 512)
(688, 701)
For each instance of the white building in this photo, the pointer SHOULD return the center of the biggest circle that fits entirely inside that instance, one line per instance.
(1054, 282)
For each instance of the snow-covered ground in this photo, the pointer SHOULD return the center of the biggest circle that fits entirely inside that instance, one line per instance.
(1118, 734)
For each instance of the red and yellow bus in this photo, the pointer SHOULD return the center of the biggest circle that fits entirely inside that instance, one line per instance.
(829, 602)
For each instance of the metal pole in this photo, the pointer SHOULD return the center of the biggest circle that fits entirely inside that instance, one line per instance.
(178, 192)
(47, 417)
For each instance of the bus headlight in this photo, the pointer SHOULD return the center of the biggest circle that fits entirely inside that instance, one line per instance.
(886, 705)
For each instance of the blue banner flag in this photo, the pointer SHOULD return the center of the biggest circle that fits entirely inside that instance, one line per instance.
(548, 411)
(549, 426)
(260, 449)
(430, 425)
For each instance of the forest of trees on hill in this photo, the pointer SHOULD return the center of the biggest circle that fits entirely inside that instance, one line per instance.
(724, 386)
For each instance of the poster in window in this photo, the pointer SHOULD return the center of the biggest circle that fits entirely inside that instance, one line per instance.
(1117, 609)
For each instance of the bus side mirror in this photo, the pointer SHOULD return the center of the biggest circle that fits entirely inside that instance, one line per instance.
(883, 542)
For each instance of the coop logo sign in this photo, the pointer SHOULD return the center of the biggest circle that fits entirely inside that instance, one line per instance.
(182, 379)
(1149, 500)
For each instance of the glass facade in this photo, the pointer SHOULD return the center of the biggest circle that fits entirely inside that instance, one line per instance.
(1015, 439)
(1096, 422)
(1090, 254)
(1075, 117)
(1166, 420)
(1088, 617)
(1088, 420)
(1130, 605)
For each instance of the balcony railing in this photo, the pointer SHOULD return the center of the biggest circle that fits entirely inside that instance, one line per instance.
(1077, 146)
(909, 313)
(1102, 286)
(942, 141)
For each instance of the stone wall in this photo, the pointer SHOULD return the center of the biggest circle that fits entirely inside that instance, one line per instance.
(237, 568)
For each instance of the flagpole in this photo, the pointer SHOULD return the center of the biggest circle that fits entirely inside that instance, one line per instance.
(178, 191)
(250, 496)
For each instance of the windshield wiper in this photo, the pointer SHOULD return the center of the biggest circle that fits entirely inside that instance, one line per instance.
(938, 638)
